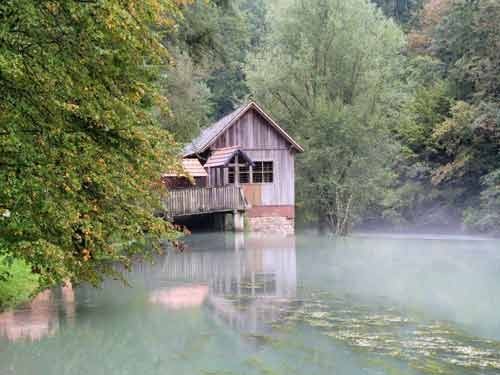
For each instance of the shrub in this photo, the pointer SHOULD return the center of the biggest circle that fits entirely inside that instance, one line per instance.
(17, 282)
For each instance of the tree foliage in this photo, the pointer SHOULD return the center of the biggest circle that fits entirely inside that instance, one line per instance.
(80, 149)
(205, 79)
(454, 129)
(212, 42)
(189, 97)
(402, 11)
(329, 72)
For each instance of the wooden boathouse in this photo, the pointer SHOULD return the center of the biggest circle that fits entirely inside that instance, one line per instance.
(243, 165)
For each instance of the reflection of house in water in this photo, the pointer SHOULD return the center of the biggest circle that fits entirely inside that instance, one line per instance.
(250, 283)
(40, 318)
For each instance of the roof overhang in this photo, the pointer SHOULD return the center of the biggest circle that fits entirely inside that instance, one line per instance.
(220, 158)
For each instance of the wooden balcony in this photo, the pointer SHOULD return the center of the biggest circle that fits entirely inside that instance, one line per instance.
(205, 200)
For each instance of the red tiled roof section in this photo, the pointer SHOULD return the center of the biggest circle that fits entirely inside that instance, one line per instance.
(192, 167)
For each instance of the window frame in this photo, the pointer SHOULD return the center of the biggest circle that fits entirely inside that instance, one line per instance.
(251, 173)
(263, 172)
(231, 173)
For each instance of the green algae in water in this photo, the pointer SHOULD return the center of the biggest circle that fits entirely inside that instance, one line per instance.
(432, 347)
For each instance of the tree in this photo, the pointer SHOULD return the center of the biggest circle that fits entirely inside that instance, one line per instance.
(454, 128)
(401, 10)
(216, 37)
(486, 217)
(424, 27)
(329, 72)
(80, 150)
(467, 42)
(189, 98)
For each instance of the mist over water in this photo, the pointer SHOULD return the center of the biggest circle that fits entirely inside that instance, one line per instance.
(445, 277)
(368, 304)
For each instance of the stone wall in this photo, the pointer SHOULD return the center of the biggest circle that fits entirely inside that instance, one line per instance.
(271, 224)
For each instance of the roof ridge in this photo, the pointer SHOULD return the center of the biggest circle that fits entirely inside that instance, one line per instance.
(210, 133)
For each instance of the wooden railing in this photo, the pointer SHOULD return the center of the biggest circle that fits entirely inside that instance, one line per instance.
(195, 201)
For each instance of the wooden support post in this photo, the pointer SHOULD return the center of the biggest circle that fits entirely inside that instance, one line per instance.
(225, 175)
(238, 221)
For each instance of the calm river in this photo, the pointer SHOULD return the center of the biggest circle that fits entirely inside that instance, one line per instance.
(245, 305)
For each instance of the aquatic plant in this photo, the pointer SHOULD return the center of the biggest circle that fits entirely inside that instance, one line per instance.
(433, 347)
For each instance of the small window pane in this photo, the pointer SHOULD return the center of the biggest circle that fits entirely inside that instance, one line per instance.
(257, 172)
(230, 175)
(268, 177)
(244, 174)
(257, 178)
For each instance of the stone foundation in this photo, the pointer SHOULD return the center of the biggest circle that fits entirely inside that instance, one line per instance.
(271, 225)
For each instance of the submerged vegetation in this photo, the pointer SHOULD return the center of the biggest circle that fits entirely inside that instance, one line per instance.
(396, 102)
(432, 347)
(403, 341)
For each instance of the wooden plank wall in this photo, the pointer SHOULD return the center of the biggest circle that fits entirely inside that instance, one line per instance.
(251, 132)
(282, 190)
(263, 143)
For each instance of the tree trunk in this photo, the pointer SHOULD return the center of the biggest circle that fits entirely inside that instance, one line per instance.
(343, 214)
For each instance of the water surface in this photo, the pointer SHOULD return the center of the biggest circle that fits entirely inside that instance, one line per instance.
(248, 305)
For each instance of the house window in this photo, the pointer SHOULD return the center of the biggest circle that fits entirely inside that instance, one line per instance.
(244, 174)
(263, 172)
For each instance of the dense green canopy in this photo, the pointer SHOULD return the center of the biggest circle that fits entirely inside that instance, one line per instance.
(329, 71)
(80, 152)
(449, 170)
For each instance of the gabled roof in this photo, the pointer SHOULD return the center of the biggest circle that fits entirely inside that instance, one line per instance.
(208, 136)
(222, 156)
(192, 167)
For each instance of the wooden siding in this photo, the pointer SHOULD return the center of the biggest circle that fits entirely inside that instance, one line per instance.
(253, 193)
(251, 131)
(262, 142)
(282, 190)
